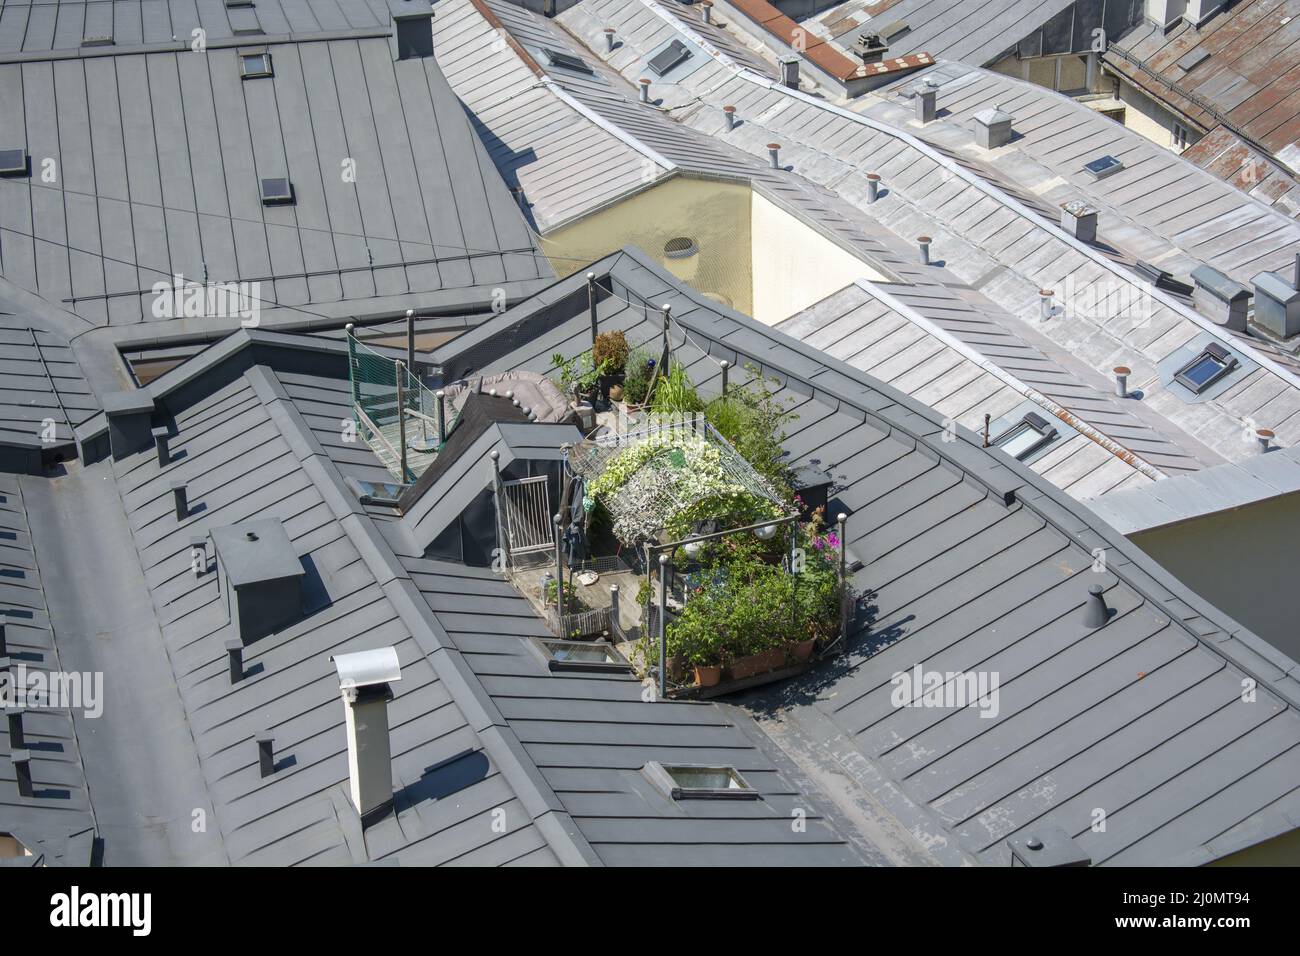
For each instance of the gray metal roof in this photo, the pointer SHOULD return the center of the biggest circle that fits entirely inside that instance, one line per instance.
(971, 561)
(41, 382)
(159, 150)
(997, 240)
(63, 808)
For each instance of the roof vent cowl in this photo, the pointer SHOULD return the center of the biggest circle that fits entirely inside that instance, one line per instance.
(364, 679)
(260, 577)
(992, 128)
(1277, 302)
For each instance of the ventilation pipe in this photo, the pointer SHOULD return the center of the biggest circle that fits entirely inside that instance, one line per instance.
(706, 11)
(873, 187)
(1096, 613)
(645, 90)
(1122, 372)
(992, 128)
(364, 679)
(180, 497)
(774, 154)
(412, 35)
(1265, 437)
(790, 72)
(926, 95)
(1045, 307)
(609, 39)
(266, 753)
(22, 761)
(235, 659)
(730, 113)
(923, 243)
(14, 717)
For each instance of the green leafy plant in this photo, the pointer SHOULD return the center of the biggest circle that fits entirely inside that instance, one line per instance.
(636, 377)
(579, 374)
(674, 393)
(610, 351)
(753, 419)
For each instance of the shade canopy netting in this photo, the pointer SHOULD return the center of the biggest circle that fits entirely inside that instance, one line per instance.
(668, 475)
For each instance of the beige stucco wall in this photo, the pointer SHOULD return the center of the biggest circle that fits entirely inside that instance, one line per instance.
(715, 214)
(1242, 561)
(794, 265)
(1145, 116)
(1283, 850)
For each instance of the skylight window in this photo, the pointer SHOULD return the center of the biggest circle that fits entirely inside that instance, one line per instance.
(1208, 367)
(699, 782)
(255, 65)
(1105, 166)
(581, 656)
(1027, 436)
(276, 192)
(674, 54)
(13, 162)
(566, 61)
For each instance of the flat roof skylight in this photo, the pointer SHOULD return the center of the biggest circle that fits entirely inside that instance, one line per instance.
(670, 56)
(1210, 365)
(1104, 166)
(13, 162)
(276, 191)
(255, 65)
(700, 781)
(581, 655)
(566, 60)
(1032, 433)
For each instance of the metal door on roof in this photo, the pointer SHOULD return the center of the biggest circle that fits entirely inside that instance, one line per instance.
(529, 527)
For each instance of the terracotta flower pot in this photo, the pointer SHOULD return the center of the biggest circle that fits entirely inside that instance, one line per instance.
(753, 664)
(803, 650)
(707, 676)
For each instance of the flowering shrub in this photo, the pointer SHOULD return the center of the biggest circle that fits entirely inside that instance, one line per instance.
(667, 483)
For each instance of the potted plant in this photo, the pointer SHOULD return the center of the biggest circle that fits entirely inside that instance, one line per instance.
(636, 380)
(609, 354)
(579, 375)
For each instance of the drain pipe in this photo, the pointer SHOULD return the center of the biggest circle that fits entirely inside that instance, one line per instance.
(1035, 396)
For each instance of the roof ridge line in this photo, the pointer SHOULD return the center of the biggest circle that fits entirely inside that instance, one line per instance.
(546, 810)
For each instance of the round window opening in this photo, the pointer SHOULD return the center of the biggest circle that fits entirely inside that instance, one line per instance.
(680, 247)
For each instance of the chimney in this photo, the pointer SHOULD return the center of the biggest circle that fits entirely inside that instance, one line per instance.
(790, 72)
(925, 93)
(1122, 372)
(160, 445)
(1265, 438)
(1277, 302)
(180, 498)
(873, 187)
(730, 113)
(706, 11)
(266, 753)
(871, 47)
(992, 128)
(259, 576)
(774, 154)
(235, 659)
(412, 35)
(129, 428)
(923, 243)
(1079, 220)
(1219, 298)
(364, 679)
(645, 89)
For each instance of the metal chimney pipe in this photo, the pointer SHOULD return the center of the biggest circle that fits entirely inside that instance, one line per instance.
(235, 659)
(1122, 372)
(924, 243)
(645, 90)
(1096, 613)
(609, 39)
(790, 72)
(730, 113)
(1264, 436)
(266, 753)
(180, 495)
(160, 445)
(22, 760)
(615, 620)
(774, 154)
(706, 11)
(364, 682)
(873, 187)
(1045, 303)
(14, 717)
(726, 367)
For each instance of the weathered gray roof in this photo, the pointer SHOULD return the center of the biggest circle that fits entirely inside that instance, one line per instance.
(971, 561)
(63, 808)
(158, 152)
(989, 236)
(41, 381)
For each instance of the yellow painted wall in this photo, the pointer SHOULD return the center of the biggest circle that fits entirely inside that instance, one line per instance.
(1144, 115)
(1242, 561)
(716, 215)
(794, 265)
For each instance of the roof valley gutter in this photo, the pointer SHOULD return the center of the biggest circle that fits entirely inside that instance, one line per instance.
(613, 130)
(1031, 393)
(749, 76)
(544, 807)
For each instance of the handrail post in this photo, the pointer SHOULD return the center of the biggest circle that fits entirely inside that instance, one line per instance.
(442, 417)
(591, 304)
(664, 570)
(559, 574)
(401, 416)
